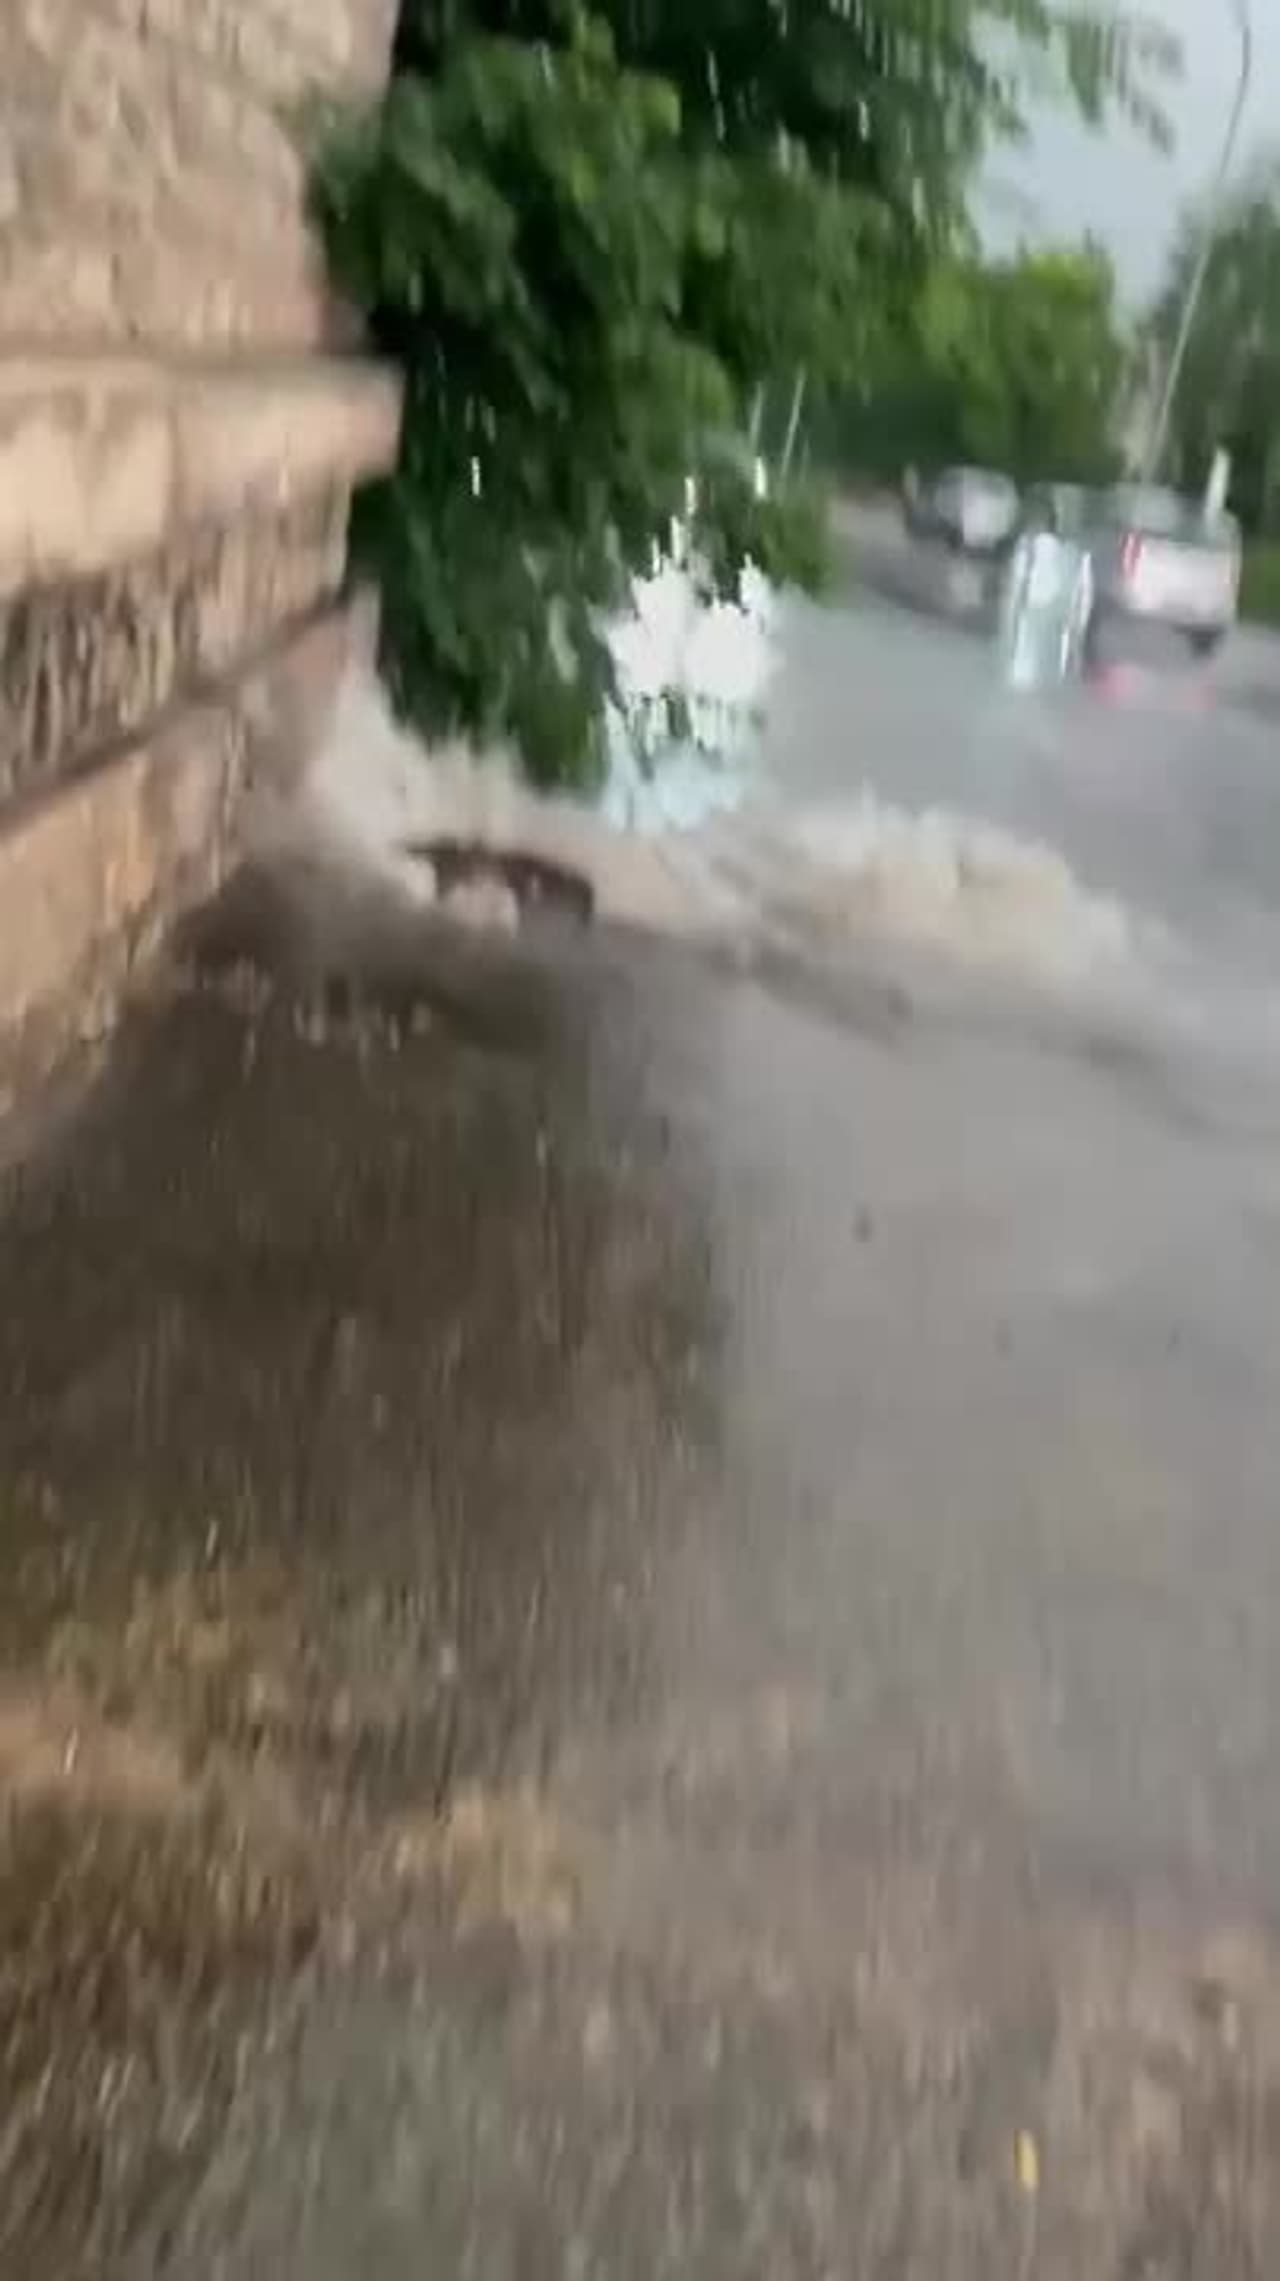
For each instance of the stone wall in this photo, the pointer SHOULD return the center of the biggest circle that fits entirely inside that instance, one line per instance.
(183, 418)
(91, 881)
(83, 665)
(151, 187)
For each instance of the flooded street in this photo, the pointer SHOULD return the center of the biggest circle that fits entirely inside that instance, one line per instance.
(1157, 782)
(643, 1614)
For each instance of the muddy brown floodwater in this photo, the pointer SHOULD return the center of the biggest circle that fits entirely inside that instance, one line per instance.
(641, 1632)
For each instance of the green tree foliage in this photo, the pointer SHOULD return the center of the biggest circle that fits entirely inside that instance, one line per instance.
(1229, 393)
(1027, 363)
(588, 238)
(1020, 364)
(897, 98)
(1260, 583)
(565, 290)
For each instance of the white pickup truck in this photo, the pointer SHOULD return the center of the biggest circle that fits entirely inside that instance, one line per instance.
(1167, 561)
(1157, 558)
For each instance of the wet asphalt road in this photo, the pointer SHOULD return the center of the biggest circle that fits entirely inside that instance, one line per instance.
(1159, 782)
(643, 1629)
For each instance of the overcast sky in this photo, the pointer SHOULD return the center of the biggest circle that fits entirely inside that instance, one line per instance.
(1116, 186)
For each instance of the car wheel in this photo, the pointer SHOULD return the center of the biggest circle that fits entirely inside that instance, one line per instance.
(1207, 640)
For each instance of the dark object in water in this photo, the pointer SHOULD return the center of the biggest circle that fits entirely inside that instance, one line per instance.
(536, 882)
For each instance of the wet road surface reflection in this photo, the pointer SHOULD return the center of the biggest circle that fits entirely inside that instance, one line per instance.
(641, 1632)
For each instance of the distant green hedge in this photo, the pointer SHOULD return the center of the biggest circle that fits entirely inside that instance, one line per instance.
(1260, 583)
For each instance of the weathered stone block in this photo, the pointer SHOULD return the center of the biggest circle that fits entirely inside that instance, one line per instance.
(85, 663)
(151, 180)
(103, 462)
(88, 876)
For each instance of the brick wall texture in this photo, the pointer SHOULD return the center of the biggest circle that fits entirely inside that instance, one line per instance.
(150, 183)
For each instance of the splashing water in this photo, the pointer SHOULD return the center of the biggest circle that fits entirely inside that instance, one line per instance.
(708, 666)
(857, 866)
(863, 867)
(853, 868)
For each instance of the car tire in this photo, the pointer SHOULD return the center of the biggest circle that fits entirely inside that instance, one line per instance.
(1206, 641)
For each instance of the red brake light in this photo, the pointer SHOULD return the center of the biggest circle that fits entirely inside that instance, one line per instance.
(1130, 554)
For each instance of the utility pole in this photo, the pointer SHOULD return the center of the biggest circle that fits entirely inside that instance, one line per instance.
(1213, 210)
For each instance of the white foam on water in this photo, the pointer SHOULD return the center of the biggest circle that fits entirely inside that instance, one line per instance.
(1007, 912)
(375, 797)
(851, 869)
(863, 867)
(701, 843)
(828, 880)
